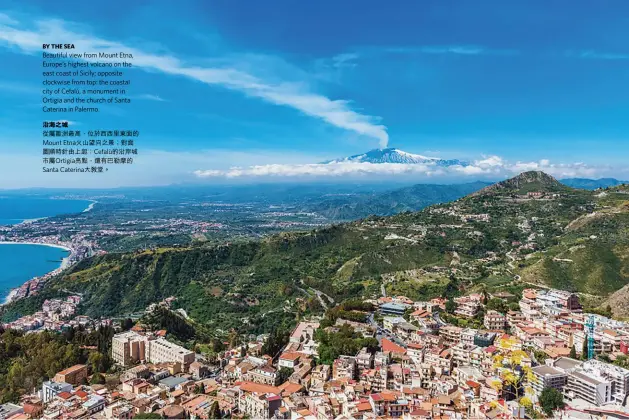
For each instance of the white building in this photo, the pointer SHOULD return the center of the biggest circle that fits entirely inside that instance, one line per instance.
(51, 389)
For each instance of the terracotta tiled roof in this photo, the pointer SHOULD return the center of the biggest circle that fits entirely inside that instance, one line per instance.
(388, 345)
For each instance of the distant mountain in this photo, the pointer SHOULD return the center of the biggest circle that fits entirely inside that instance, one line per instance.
(592, 184)
(387, 203)
(392, 155)
(531, 181)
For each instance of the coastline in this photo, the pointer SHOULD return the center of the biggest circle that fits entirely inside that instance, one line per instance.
(35, 243)
(90, 207)
(33, 284)
(14, 293)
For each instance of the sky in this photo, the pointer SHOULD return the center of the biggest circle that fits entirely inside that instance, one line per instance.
(226, 91)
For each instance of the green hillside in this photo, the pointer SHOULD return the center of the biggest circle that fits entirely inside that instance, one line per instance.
(486, 238)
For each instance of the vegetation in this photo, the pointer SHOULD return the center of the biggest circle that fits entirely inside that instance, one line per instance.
(259, 286)
(284, 373)
(276, 342)
(341, 341)
(550, 400)
(26, 360)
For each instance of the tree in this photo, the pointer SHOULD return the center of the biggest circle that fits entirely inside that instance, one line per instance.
(127, 324)
(98, 379)
(573, 352)
(450, 306)
(550, 400)
(148, 416)
(584, 350)
(284, 374)
(276, 342)
(215, 412)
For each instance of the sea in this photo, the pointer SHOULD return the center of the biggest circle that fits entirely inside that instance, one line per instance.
(15, 210)
(21, 262)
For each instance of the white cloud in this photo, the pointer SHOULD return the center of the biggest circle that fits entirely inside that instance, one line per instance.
(492, 166)
(450, 49)
(149, 97)
(294, 95)
(597, 55)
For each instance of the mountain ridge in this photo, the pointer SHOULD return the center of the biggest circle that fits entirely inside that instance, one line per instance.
(478, 239)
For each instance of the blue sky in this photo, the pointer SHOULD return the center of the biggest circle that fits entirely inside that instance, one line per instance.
(281, 84)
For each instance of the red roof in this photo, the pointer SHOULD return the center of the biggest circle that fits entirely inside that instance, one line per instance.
(388, 345)
(64, 395)
(472, 384)
(365, 406)
(290, 356)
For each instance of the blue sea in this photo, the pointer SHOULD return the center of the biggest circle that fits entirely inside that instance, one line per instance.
(22, 262)
(14, 210)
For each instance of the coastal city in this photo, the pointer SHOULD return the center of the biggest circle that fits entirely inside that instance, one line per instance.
(314, 210)
(544, 358)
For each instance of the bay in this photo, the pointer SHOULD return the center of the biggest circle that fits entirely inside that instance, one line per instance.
(15, 210)
(21, 262)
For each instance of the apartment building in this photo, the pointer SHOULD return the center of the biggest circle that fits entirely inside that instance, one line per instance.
(451, 335)
(130, 347)
(51, 389)
(548, 377)
(364, 360)
(266, 375)
(592, 389)
(259, 401)
(617, 376)
(163, 351)
(344, 368)
(494, 320)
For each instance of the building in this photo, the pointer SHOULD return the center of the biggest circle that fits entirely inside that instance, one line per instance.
(467, 306)
(131, 347)
(289, 360)
(75, 375)
(592, 389)
(364, 360)
(494, 320)
(548, 377)
(259, 401)
(558, 298)
(94, 404)
(484, 339)
(619, 377)
(128, 347)
(451, 334)
(51, 389)
(163, 351)
(8, 410)
(263, 375)
(304, 331)
(344, 368)
(393, 309)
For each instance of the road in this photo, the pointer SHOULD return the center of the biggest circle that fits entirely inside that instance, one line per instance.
(511, 266)
(317, 293)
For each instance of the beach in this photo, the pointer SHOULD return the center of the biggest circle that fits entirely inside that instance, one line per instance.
(90, 207)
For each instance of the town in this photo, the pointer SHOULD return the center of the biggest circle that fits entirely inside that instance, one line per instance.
(546, 357)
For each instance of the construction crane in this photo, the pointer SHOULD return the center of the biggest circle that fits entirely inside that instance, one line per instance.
(590, 326)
